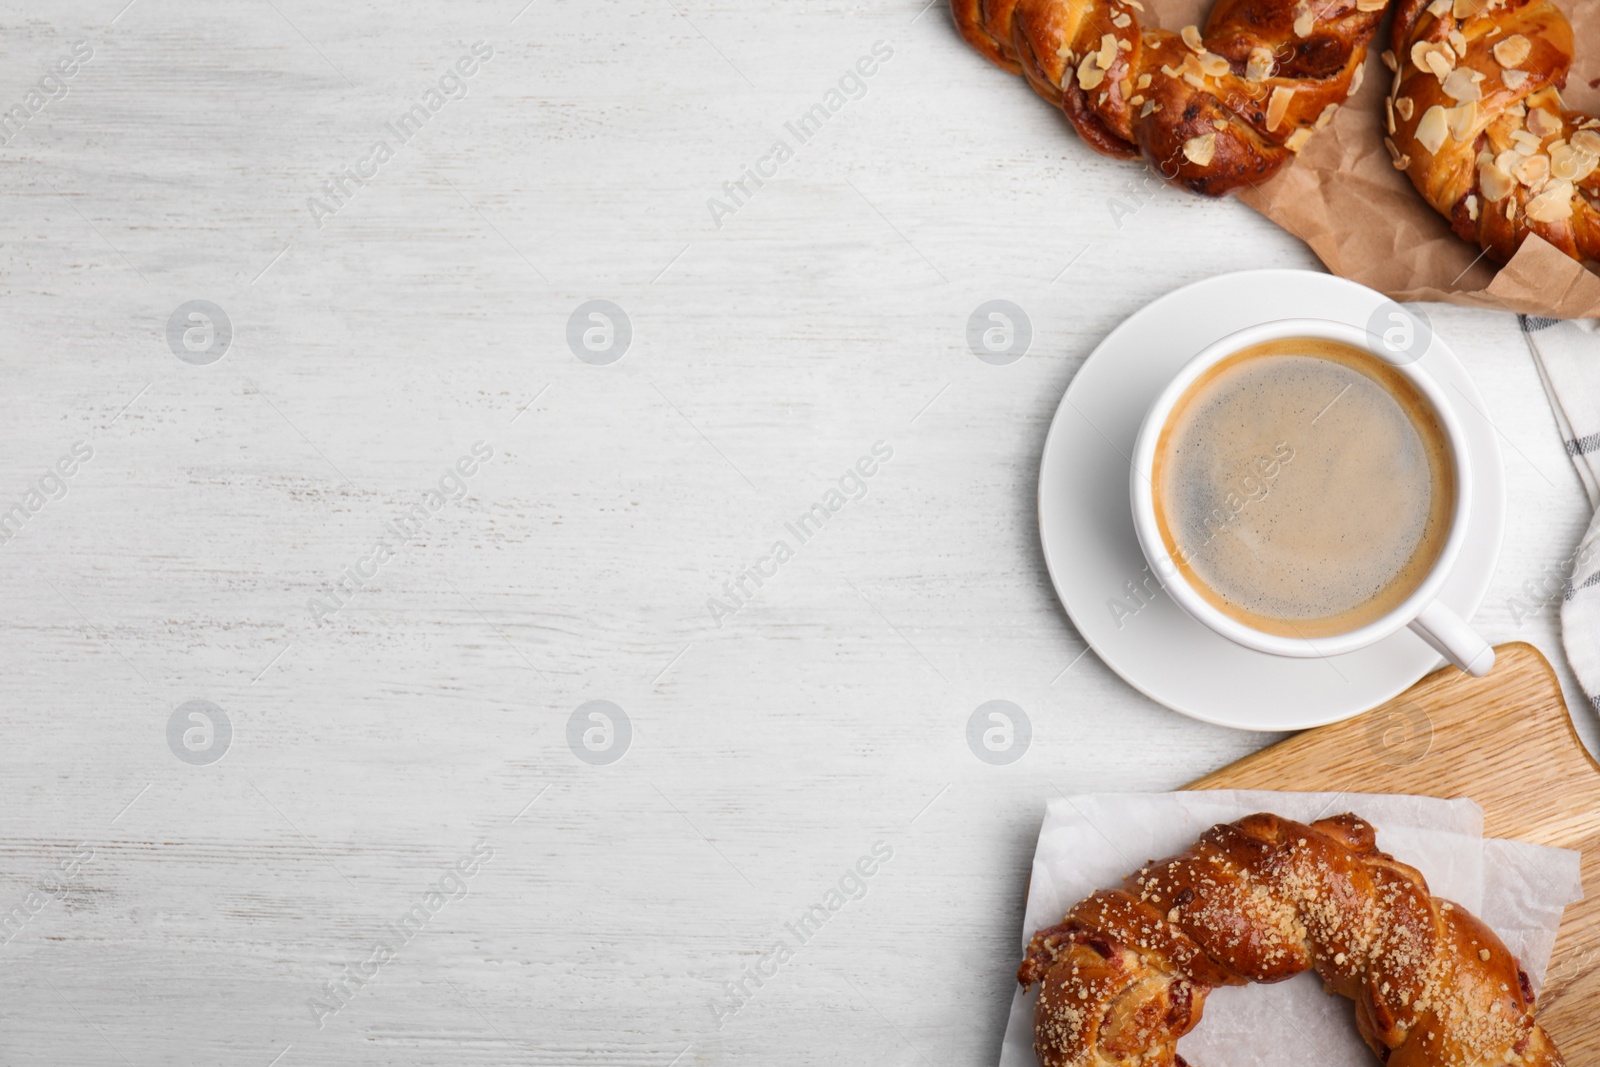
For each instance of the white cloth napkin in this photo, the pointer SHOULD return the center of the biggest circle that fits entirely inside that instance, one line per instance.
(1567, 355)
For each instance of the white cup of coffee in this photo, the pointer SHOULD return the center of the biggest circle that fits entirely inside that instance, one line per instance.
(1303, 494)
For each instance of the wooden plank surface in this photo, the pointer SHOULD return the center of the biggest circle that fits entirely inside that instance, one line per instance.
(1507, 742)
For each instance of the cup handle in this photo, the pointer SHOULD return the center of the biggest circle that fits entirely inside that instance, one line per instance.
(1453, 639)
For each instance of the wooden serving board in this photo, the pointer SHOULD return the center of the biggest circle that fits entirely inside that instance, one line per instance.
(1507, 742)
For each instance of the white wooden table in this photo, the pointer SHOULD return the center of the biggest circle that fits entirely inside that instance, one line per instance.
(191, 912)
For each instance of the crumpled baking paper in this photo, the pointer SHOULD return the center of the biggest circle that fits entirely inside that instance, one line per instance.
(1094, 841)
(1363, 219)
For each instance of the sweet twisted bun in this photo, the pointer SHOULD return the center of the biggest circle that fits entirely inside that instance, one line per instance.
(1212, 111)
(1127, 972)
(1477, 123)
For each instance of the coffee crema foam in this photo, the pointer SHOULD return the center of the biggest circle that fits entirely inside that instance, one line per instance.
(1304, 488)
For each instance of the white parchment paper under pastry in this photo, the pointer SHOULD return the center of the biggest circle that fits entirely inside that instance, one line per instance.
(1093, 841)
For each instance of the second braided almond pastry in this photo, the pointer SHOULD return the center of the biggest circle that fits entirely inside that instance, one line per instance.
(1127, 972)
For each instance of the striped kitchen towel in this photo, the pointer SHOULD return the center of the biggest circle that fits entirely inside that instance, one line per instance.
(1567, 355)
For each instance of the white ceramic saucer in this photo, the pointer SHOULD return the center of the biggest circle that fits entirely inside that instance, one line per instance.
(1086, 525)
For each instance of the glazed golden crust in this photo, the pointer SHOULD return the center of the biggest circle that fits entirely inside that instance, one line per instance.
(1212, 111)
(1476, 121)
(1127, 972)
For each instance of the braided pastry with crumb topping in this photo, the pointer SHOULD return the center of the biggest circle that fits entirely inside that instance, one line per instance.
(1213, 110)
(1126, 974)
(1476, 121)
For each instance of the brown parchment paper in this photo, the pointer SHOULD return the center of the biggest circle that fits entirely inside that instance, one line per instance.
(1364, 220)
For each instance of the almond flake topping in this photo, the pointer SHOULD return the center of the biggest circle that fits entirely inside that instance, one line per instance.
(1260, 66)
(1462, 85)
(1533, 171)
(1542, 123)
(1572, 163)
(1278, 106)
(1433, 129)
(1201, 150)
(1440, 59)
(1552, 205)
(1525, 142)
(1512, 51)
(1108, 51)
(1569, 163)
(1495, 182)
(1089, 75)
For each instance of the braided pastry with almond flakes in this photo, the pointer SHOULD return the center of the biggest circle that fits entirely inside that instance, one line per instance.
(1126, 974)
(1476, 121)
(1213, 110)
